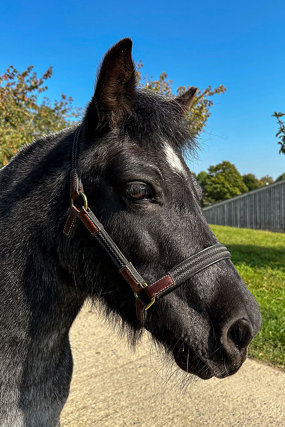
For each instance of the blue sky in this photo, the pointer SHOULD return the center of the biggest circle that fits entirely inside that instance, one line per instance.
(238, 44)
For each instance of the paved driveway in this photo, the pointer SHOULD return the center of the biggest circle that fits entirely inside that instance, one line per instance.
(114, 386)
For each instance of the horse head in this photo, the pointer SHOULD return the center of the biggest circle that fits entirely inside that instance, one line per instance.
(130, 161)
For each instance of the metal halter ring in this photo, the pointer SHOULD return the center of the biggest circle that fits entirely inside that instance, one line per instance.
(85, 201)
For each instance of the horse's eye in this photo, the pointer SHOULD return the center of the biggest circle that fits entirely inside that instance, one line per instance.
(138, 191)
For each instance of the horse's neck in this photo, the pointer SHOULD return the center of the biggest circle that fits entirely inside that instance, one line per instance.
(36, 326)
(38, 297)
(36, 364)
(37, 153)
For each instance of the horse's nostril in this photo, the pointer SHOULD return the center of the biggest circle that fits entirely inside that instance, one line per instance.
(240, 333)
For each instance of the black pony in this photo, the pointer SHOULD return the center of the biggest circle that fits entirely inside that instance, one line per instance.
(128, 155)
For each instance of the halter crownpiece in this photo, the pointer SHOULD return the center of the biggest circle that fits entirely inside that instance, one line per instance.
(145, 294)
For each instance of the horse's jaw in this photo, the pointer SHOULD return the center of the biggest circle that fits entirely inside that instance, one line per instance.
(205, 367)
(189, 362)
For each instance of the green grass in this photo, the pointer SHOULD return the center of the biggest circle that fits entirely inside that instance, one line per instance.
(259, 257)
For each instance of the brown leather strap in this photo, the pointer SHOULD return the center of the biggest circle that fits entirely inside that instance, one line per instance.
(140, 310)
(161, 286)
(131, 280)
(71, 221)
(89, 224)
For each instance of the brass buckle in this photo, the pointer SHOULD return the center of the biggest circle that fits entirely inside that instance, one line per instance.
(145, 285)
(150, 304)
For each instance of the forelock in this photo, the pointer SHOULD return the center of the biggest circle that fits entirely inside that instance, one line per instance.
(157, 119)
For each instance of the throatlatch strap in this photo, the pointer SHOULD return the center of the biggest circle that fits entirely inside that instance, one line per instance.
(145, 294)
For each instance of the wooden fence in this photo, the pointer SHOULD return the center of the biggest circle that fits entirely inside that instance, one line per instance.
(263, 209)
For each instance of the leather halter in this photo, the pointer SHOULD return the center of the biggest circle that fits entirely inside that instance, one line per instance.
(145, 294)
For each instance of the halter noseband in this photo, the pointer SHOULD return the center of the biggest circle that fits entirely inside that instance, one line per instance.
(145, 294)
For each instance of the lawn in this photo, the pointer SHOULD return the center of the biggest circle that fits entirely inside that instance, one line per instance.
(259, 257)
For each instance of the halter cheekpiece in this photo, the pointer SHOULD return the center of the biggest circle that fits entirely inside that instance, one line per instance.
(145, 294)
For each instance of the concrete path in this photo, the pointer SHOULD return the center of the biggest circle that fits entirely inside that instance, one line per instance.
(113, 386)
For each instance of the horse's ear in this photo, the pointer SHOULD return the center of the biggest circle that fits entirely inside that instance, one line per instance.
(187, 98)
(115, 87)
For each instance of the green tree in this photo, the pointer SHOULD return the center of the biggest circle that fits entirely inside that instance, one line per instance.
(223, 182)
(281, 177)
(251, 182)
(281, 131)
(201, 178)
(200, 109)
(22, 116)
(266, 180)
